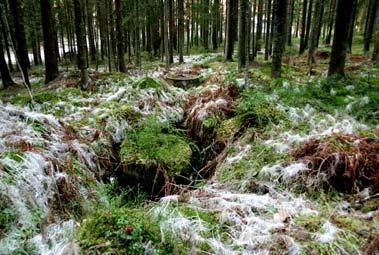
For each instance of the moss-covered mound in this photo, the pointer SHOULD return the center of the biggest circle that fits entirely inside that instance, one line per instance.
(147, 83)
(155, 150)
(257, 111)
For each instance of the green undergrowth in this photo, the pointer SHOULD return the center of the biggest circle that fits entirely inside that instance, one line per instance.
(157, 144)
(49, 97)
(359, 97)
(350, 235)
(256, 110)
(121, 226)
(250, 164)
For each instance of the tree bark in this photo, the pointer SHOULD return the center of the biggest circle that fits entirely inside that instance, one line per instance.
(49, 39)
(279, 38)
(181, 29)
(243, 6)
(232, 13)
(20, 38)
(120, 38)
(268, 28)
(81, 42)
(303, 26)
(5, 74)
(371, 17)
(338, 55)
(314, 33)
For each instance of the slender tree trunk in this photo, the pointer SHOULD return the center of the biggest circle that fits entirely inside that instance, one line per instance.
(279, 39)
(215, 23)
(375, 54)
(303, 26)
(120, 38)
(372, 14)
(268, 28)
(291, 7)
(20, 39)
(243, 6)
(314, 33)
(5, 74)
(181, 29)
(49, 36)
(231, 26)
(308, 27)
(81, 42)
(351, 26)
(338, 56)
(166, 32)
(91, 37)
(259, 27)
(6, 44)
(332, 15)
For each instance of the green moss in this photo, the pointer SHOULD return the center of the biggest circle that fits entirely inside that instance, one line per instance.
(252, 163)
(155, 145)
(147, 83)
(257, 111)
(311, 222)
(120, 231)
(229, 127)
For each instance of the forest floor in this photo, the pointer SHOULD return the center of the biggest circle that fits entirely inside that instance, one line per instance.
(142, 164)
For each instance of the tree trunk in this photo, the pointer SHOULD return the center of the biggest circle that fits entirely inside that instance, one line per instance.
(181, 29)
(5, 74)
(308, 27)
(120, 38)
(232, 13)
(268, 28)
(20, 38)
(215, 23)
(166, 33)
(338, 56)
(259, 27)
(371, 17)
(375, 55)
(6, 44)
(81, 42)
(332, 15)
(171, 31)
(303, 26)
(279, 38)
(49, 36)
(243, 6)
(351, 26)
(314, 33)
(91, 37)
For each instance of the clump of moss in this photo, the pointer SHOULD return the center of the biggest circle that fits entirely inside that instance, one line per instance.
(147, 83)
(228, 128)
(257, 111)
(156, 145)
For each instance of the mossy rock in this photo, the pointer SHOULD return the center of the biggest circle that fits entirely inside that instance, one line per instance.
(151, 146)
(148, 83)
